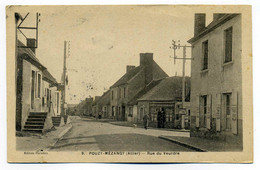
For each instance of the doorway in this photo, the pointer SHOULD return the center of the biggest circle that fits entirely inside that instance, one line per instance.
(123, 113)
(227, 104)
(32, 89)
(161, 118)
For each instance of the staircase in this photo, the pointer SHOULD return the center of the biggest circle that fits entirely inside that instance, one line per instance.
(56, 121)
(35, 122)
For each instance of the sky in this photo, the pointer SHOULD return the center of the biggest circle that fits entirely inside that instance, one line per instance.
(105, 39)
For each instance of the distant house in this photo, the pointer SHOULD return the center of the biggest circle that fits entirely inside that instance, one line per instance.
(96, 107)
(36, 90)
(216, 76)
(131, 83)
(104, 103)
(73, 109)
(88, 107)
(165, 94)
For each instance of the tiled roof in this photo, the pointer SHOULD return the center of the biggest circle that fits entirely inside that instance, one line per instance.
(157, 73)
(127, 76)
(212, 26)
(133, 101)
(96, 99)
(105, 98)
(47, 76)
(168, 89)
(27, 54)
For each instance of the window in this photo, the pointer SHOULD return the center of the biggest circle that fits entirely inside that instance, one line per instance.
(205, 55)
(130, 111)
(39, 86)
(119, 92)
(228, 45)
(204, 111)
(112, 94)
(124, 92)
(58, 102)
(177, 116)
(113, 110)
(33, 89)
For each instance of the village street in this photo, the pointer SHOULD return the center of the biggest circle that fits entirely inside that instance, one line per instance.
(92, 135)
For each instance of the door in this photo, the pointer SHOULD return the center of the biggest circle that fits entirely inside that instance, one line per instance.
(33, 89)
(141, 114)
(123, 113)
(228, 111)
(58, 103)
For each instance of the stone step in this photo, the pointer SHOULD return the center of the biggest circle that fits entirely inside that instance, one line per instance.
(33, 126)
(33, 130)
(35, 120)
(34, 123)
(37, 116)
(38, 113)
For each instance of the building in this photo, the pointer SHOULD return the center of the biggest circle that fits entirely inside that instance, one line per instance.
(96, 107)
(37, 96)
(104, 103)
(73, 109)
(216, 77)
(88, 107)
(131, 83)
(133, 103)
(164, 95)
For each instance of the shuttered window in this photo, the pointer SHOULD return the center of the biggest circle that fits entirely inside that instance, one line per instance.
(228, 44)
(205, 55)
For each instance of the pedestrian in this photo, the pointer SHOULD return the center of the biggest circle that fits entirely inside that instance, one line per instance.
(146, 119)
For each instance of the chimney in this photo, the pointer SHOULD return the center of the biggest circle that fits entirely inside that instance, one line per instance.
(128, 68)
(199, 23)
(146, 60)
(31, 43)
(216, 16)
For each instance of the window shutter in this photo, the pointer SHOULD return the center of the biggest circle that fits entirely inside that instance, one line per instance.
(201, 112)
(198, 111)
(234, 112)
(209, 111)
(218, 112)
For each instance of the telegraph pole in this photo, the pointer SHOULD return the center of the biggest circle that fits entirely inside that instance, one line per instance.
(175, 47)
(64, 79)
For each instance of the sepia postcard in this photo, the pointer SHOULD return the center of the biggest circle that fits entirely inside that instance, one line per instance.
(129, 83)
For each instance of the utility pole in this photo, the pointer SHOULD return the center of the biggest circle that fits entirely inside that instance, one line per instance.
(175, 47)
(64, 79)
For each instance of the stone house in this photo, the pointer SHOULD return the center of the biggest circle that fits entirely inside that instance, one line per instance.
(216, 78)
(131, 83)
(96, 107)
(166, 95)
(37, 97)
(104, 103)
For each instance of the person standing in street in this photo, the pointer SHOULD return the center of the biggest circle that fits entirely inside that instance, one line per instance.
(146, 119)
